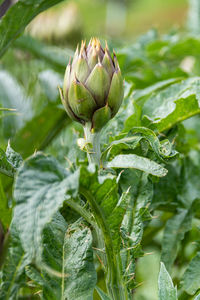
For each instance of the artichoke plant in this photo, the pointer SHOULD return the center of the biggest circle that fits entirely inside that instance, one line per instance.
(93, 86)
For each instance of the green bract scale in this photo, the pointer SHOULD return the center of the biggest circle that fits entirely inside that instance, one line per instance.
(93, 85)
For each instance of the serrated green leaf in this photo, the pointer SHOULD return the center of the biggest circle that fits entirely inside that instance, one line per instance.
(106, 195)
(50, 274)
(101, 192)
(133, 220)
(40, 188)
(80, 283)
(128, 142)
(132, 226)
(69, 256)
(116, 217)
(53, 258)
(175, 230)
(191, 277)
(167, 291)
(174, 104)
(132, 139)
(137, 162)
(104, 189)
(13, 275)
(67, 268)
(17, 17)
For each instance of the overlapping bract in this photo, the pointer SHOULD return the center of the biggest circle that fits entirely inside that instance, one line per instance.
(93, 85)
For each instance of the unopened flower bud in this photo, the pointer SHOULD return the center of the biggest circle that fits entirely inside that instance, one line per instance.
(93, 85)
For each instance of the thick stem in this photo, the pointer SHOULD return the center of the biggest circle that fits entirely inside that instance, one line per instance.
(114, 281)
(93, 144)
(114, 278)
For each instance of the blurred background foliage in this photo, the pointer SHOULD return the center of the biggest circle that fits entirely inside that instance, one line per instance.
(121, 19)
(33, 67)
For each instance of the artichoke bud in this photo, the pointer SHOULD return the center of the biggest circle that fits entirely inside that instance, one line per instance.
(93, 85)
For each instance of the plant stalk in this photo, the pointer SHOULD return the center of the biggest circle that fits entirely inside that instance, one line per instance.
(114, 281)
(114, 278)
(92, 144)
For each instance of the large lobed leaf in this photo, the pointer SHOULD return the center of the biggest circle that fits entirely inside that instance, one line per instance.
(137, 162)
(133, 138)
(67, 269)
(172, 105)
(78, 264)
(40, 188)
(17, 17)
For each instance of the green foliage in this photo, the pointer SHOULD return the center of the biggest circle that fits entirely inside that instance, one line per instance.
(194, 16)
(176, 103)
(13, 23)
(140, 163)
(49, 184)
(81, 275)
(74, 230)
(102, 294)
(174, 232)
(13, 274)
(165, 284)
(191, 276)
(53, 55)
